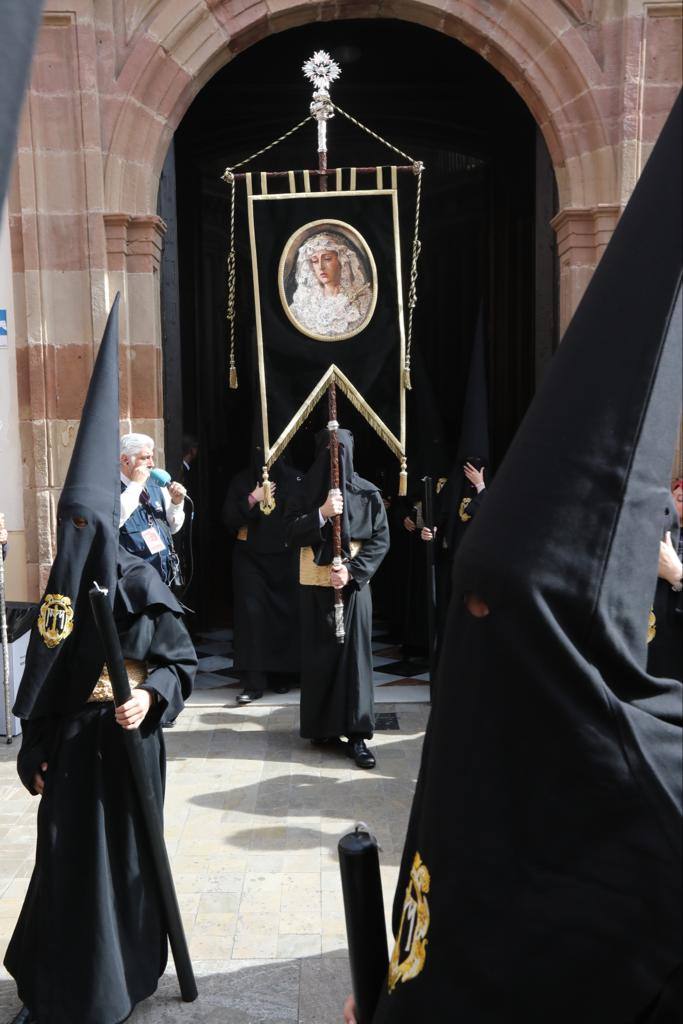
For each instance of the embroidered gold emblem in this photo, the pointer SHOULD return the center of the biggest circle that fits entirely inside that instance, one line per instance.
(462, 511)
(55, 619)
(441, 483)
(651, 626)
(410, 948)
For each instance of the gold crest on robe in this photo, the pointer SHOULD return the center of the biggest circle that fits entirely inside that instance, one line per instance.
(651, 626)
(410, 948)
(55, 619)
(462, 511)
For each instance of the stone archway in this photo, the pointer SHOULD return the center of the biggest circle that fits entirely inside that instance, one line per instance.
(113, 78)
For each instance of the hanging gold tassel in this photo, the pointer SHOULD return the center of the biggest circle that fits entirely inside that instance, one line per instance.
(268, 503)
(403, 479)
(406, 379)
(233, 378)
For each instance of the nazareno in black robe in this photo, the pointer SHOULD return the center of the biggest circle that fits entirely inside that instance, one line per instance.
(264, 576)
(541, 876)
(90, 942)
(337, 697)
(457, 505)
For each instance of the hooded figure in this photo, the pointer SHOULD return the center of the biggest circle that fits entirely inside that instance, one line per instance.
(541, 877)
(336, 679)
(460, 498)
(264, 579)
(19, 22)
(91, 942)
(463, 493)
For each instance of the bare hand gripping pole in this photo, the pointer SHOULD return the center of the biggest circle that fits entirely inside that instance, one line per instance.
(106, 626)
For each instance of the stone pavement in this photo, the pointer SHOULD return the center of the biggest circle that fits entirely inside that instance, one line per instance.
(253, 815)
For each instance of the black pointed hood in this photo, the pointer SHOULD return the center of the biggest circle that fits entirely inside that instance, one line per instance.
(473, 445)
(542, 862)
(356, 518)
(64, 656)
(19, 21)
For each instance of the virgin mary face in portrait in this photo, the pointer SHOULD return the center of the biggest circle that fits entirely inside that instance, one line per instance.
(334, 290)
(327, 269)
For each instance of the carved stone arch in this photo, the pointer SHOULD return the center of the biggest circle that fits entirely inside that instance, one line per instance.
(535, 46)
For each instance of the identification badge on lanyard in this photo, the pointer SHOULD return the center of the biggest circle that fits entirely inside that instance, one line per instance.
(153, 541)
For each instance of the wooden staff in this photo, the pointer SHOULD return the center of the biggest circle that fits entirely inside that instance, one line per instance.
(5, 644)
(321, 70)
(333, 427)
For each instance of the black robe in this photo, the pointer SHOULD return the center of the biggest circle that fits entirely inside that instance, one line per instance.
(411, 586)
(337, 697)
(90, 942)
(264, 577)
(457, 505)
(541, 877)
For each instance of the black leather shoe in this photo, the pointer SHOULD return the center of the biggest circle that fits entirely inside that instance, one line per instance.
(280, 689)
(363, 757)
(247, 696)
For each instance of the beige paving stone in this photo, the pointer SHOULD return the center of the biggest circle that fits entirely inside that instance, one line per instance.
(299, 945)
(253, 850)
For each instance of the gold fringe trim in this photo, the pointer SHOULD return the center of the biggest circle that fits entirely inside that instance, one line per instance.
(233, 378)
(357, 402)
(407, 384)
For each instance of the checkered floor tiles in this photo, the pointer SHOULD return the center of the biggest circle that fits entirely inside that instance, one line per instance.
(396, 678)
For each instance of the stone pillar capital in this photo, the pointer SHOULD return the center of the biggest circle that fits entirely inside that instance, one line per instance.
(583, 232)
(134, 243)
(582, 236)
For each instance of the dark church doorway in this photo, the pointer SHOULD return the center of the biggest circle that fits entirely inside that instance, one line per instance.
(489, 195)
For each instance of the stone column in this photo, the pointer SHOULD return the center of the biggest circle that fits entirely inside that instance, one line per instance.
(12, 499)
(134, 246)
(582, 237)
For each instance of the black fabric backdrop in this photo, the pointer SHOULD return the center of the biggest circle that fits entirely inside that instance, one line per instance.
(294, 363)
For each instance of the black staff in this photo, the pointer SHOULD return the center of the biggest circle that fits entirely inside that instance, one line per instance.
(365, 927)
(106, 626)
(428, 516)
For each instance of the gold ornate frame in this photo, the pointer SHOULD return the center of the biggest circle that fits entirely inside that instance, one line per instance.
(361, 244)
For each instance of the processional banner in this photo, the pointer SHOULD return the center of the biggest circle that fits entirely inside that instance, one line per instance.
(328, 303)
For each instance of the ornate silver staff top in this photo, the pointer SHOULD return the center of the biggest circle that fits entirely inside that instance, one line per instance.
(321, 70)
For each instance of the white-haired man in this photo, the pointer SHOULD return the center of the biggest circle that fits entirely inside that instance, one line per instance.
(150, 514)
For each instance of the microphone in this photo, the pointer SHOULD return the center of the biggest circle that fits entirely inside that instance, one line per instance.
(160, 476)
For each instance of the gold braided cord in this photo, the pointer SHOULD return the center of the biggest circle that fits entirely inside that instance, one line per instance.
(379, 138)
(229, 177)
(232, 285)
(229, 172)
(418, 169)
(412, 292)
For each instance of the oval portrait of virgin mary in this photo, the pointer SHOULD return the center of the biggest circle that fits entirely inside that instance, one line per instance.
(328, 280)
